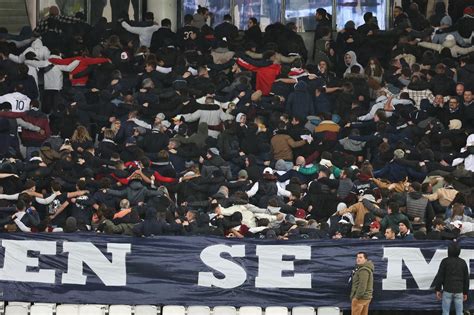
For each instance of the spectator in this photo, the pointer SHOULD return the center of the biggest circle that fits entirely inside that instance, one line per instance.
(362, 285)
(452, 281)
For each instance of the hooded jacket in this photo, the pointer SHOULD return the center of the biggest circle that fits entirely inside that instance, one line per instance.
(453, 274)
(353, 63)
(300, 103)
(363, 281)
(135, 192)
(151, 225)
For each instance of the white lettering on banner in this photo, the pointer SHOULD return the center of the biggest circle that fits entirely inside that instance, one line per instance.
(112, 273)
(16, 261)
(234, 275)
(467, 255)
(423, 272)
(271, 265)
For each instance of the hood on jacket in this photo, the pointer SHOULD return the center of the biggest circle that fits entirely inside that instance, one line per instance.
(368, 264)
(470, 140)
(42, 52)
(37, 44)
(353, 58)
(415, 195)
(238, 117)
(454, 250)
(449, 42)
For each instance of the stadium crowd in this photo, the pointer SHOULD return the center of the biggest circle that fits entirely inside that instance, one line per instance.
(130, 128)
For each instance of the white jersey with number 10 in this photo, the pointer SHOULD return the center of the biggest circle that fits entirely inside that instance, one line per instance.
(20, 102)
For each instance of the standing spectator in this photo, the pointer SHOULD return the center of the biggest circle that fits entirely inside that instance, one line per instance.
(453, 279)
(253, 33)
(362, 285)
(163, 37)
(226, 29)
(44, 24)
(145, 33)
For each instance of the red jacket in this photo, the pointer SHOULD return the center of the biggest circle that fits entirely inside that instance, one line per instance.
(265, 75)
(35, 117)
(85, 62)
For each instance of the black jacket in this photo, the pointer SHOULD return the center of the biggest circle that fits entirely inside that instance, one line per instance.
(162, 38)
(453, 274)
(227, 30)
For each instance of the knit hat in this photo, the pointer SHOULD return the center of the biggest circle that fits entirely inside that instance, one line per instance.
(271, 234)
(161, 116)
(71, 225)
(165, 124)
(300, 214)
(398, 154)
(341, 206)
(223, 192)
(469, 11)
(375, 225)
(214, 151)
(243, 174)
(406, 223)
(446, 20)
(281, 165)
(455, 124)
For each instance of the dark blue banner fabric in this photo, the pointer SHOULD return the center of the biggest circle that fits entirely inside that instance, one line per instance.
(84, 268)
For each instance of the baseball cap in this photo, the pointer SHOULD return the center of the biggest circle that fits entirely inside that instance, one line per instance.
(268, 170)
(177, 118)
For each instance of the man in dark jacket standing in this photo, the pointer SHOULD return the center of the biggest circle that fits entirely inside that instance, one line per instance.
(453, 276)
(226, 29)
(362, 285)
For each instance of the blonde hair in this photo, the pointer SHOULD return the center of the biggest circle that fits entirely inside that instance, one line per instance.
(109, 134)
(81, 135)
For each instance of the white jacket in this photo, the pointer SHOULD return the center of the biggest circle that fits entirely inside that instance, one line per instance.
(53, 79)
(211, 117)
(249, 214)
(144, 33)
(449, 42)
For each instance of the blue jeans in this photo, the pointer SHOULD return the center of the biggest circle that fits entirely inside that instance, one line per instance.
(448, 298)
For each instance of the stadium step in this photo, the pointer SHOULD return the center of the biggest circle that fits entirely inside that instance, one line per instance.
(13, 15)
(18, 308)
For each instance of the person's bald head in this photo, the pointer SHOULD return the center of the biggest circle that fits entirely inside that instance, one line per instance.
(300, 161)
(53, 10)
